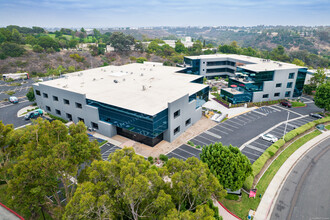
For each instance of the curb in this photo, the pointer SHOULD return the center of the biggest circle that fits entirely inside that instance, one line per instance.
(261, 213)
(17, 215)
(228, 211)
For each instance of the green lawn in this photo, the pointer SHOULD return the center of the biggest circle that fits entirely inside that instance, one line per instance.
(64, 35)
(298, 104)
(327, 127)
(242, 208)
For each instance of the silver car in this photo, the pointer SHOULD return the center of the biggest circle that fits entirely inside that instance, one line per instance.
(269, 137)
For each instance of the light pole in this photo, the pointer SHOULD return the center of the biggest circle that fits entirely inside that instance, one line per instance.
(286, 124)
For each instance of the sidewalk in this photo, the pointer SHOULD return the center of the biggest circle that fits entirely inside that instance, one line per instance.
(224, 212)
(268, 200)
(212, 104)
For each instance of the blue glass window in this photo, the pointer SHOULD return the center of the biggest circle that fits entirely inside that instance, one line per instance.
(147, 125)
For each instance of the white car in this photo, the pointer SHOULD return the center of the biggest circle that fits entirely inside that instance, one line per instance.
(269, 137)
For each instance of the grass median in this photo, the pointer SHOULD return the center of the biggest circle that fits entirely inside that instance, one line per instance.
(242, 207)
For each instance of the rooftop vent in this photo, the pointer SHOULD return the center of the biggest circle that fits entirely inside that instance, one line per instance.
(144, 88)
(94, 79)
(141, 74)
(115, 81)
(131, 73)
(124, 79)
(65, 86)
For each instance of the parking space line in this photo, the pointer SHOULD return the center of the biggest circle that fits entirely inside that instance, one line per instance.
(249, 117)
(208, 137)
(224, 127)
(254, 116)
(229, 125)
(248, 120)
(186, 151)
(212, 134)
(231, 120)
(255, 148)
(262, 144)
(241, 121)
(305, 119)
(204, 140)
(280, 134)
(289, 110)
(198, 142)
(274, 108)
(217, 130)
(254, 155)
(263, 114)
(178, 155)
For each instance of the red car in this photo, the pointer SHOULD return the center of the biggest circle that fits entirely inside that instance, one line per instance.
(286, 104)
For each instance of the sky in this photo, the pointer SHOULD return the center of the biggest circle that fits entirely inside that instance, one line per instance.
(144, 13)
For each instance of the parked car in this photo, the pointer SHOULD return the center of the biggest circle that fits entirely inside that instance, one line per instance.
(286, 104)
(316, 115)
(269, 137)
(34, 114)
(13, 99)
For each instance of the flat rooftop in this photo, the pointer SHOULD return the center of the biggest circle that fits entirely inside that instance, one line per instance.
(251, 63)
(232, 91)
(144, 88)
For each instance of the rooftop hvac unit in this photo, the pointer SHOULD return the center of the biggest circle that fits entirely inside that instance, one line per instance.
(115, 81)
(144, 88)
(124, 79)
(94, 79)
(131, 73)
(141, 74)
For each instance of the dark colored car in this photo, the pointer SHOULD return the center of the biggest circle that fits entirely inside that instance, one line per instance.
(316, 115)
(286, 104)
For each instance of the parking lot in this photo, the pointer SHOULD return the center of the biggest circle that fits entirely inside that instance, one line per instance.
(240, 129)
(254, 150)
(107, 149)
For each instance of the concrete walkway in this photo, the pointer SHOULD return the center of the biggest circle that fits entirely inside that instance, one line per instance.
(212, 104)
(268, 200)
(224, 213)
(22, 112)
(7, 215)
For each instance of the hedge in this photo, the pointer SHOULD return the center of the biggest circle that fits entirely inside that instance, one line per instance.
(270, 151)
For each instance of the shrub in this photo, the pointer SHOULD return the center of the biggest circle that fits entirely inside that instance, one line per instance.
(151, 159)
(248, 182)
(198, 146)
(163, 157)
(57, 118)
(38, 49)
(141, 59)
(232, 197)
(191, 143)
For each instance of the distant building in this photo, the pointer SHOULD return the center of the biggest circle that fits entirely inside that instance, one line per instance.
(145, 102)
(251, 79)
(310, 74)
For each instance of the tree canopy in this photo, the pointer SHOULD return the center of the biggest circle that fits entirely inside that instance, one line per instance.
(228, 164)
(322, 96)
(45, 157)
(129, 187)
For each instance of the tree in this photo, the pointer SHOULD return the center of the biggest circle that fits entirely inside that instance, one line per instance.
(322, 95)
(298, 62)
(52, 155)
(120, 42)
(128, 187)
(179, 47)
(16, 36)
(47, 42)
(228, 164)
(11, 49)
(38, 49)
(30, 95)
(153, 47)
(73, 43)
(319, 78)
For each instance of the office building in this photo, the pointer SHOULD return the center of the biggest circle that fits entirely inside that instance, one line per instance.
(144, 102)
(251, 79)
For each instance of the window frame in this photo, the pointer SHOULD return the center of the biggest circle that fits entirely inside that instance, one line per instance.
(176, 130)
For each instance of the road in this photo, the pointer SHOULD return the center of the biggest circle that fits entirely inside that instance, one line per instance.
(305, 194)
(8, 113)
(7, 215)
